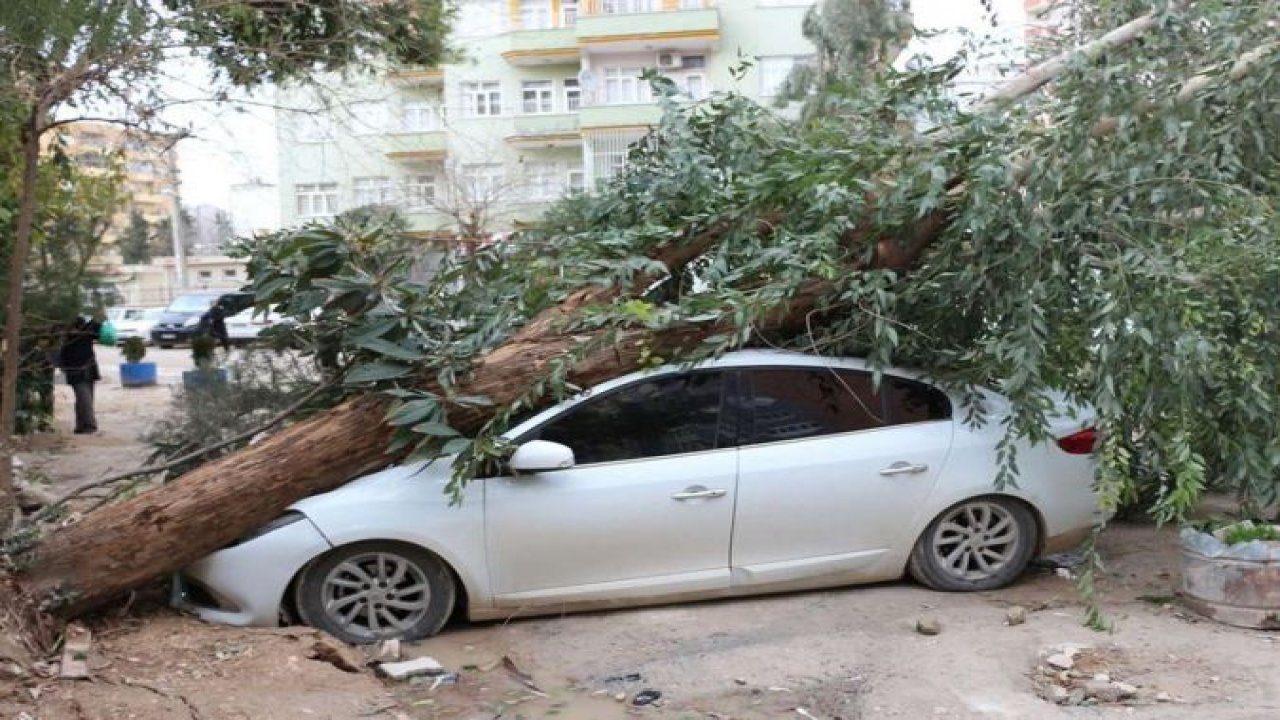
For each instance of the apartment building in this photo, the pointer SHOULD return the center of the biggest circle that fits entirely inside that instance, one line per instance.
(146, 160)
(546, 100)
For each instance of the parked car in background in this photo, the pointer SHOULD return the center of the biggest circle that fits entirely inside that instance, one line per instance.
(179, 321)
(758, 472)
(246, 325)
(131, 322)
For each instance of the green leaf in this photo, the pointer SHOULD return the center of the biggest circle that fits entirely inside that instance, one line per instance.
(436, 429)
(390, 349)
(375, 372)
(412, 412)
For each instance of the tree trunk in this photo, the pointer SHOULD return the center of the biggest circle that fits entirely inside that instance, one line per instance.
(10, 366)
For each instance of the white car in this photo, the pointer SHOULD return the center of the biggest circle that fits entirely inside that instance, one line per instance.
(131, 322)
(247, 325)
(758, 472)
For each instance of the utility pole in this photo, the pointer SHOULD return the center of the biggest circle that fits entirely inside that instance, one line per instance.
(179, 252)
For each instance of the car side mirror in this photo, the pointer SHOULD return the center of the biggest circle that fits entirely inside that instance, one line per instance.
(541, 455)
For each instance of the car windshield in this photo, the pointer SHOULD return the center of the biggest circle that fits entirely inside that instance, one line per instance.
(191, 303)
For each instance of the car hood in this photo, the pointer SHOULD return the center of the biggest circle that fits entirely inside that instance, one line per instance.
(417, 483)
(175, 318)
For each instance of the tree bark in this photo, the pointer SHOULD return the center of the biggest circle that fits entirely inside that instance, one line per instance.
(30, 142)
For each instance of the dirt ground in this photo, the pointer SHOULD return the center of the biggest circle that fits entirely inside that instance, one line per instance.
(849, 653)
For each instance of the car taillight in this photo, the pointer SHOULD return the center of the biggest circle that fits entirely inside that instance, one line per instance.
(1080, 443)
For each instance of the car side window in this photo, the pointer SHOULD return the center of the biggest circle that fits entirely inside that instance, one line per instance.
(909, 401)
(663, 416)
(795, 403)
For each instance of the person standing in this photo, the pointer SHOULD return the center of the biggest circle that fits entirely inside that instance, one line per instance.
(80, 366)
(214, 324)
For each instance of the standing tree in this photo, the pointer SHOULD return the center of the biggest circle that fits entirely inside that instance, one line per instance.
(135, 242)
(59, 56)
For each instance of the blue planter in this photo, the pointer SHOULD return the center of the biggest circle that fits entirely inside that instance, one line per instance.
(139, 374)
(204, 379)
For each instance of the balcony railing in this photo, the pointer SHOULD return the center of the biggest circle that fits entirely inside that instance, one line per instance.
(634, 7)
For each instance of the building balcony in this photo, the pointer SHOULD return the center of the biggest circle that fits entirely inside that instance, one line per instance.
(619, 116)
(628, 27)
(419, 78)
(537, 132)
(415, 146)
(551, 46)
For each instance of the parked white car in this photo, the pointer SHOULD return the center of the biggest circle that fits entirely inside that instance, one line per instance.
(247, 325)
(759, 472)
(131, 322)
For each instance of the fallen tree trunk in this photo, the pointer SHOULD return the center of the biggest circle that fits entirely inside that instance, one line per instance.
(82, 565)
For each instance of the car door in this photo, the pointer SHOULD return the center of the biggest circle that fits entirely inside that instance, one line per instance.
(832, 473)
(646, 510)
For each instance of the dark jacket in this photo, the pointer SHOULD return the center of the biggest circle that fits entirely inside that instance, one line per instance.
(76, 358)
(214, 323)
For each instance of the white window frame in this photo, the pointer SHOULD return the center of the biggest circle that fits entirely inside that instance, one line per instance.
(568, 13)
(535, 15)
(420, 116)
(482, 99)
(316, 200)
(627, 7)
(481, 181)
(686, 81)
(624, 86)
(575, 180)
(537, 97)
(571, 92)
(417, 190)
(544, 181)
(373, 190)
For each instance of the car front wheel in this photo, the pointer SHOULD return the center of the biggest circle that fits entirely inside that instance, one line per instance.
(371, 591)
(979, 544)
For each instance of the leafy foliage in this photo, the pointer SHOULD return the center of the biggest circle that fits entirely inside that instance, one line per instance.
(135, 241)
(1113, 242)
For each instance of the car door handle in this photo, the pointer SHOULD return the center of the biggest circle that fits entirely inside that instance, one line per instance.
(697, 491)
(904, 468)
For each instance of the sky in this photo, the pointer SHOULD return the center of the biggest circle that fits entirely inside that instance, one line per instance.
(235, 142)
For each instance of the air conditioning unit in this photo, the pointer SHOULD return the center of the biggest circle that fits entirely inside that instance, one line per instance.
(670, 61)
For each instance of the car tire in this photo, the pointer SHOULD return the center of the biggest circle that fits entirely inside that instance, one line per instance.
(370, 591)
(982, 543)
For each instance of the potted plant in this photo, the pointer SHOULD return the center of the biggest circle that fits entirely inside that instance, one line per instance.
(133, 371)
(1231, 573)
(205, 374)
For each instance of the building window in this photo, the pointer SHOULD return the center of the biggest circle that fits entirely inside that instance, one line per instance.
(229, 273)
(481, 182)
(420, 192)
(206, 274)
(568, 13)
(369, 118)
(545, 181)
(623, 86)
(481, 17)
(576, 180)
(419, 117)
(317, 199)
(481, 99)
(572, 95)
(693, 84)
(373, 191)
(535, 14)
(618, 7)
(537, 97)
(773, 73)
